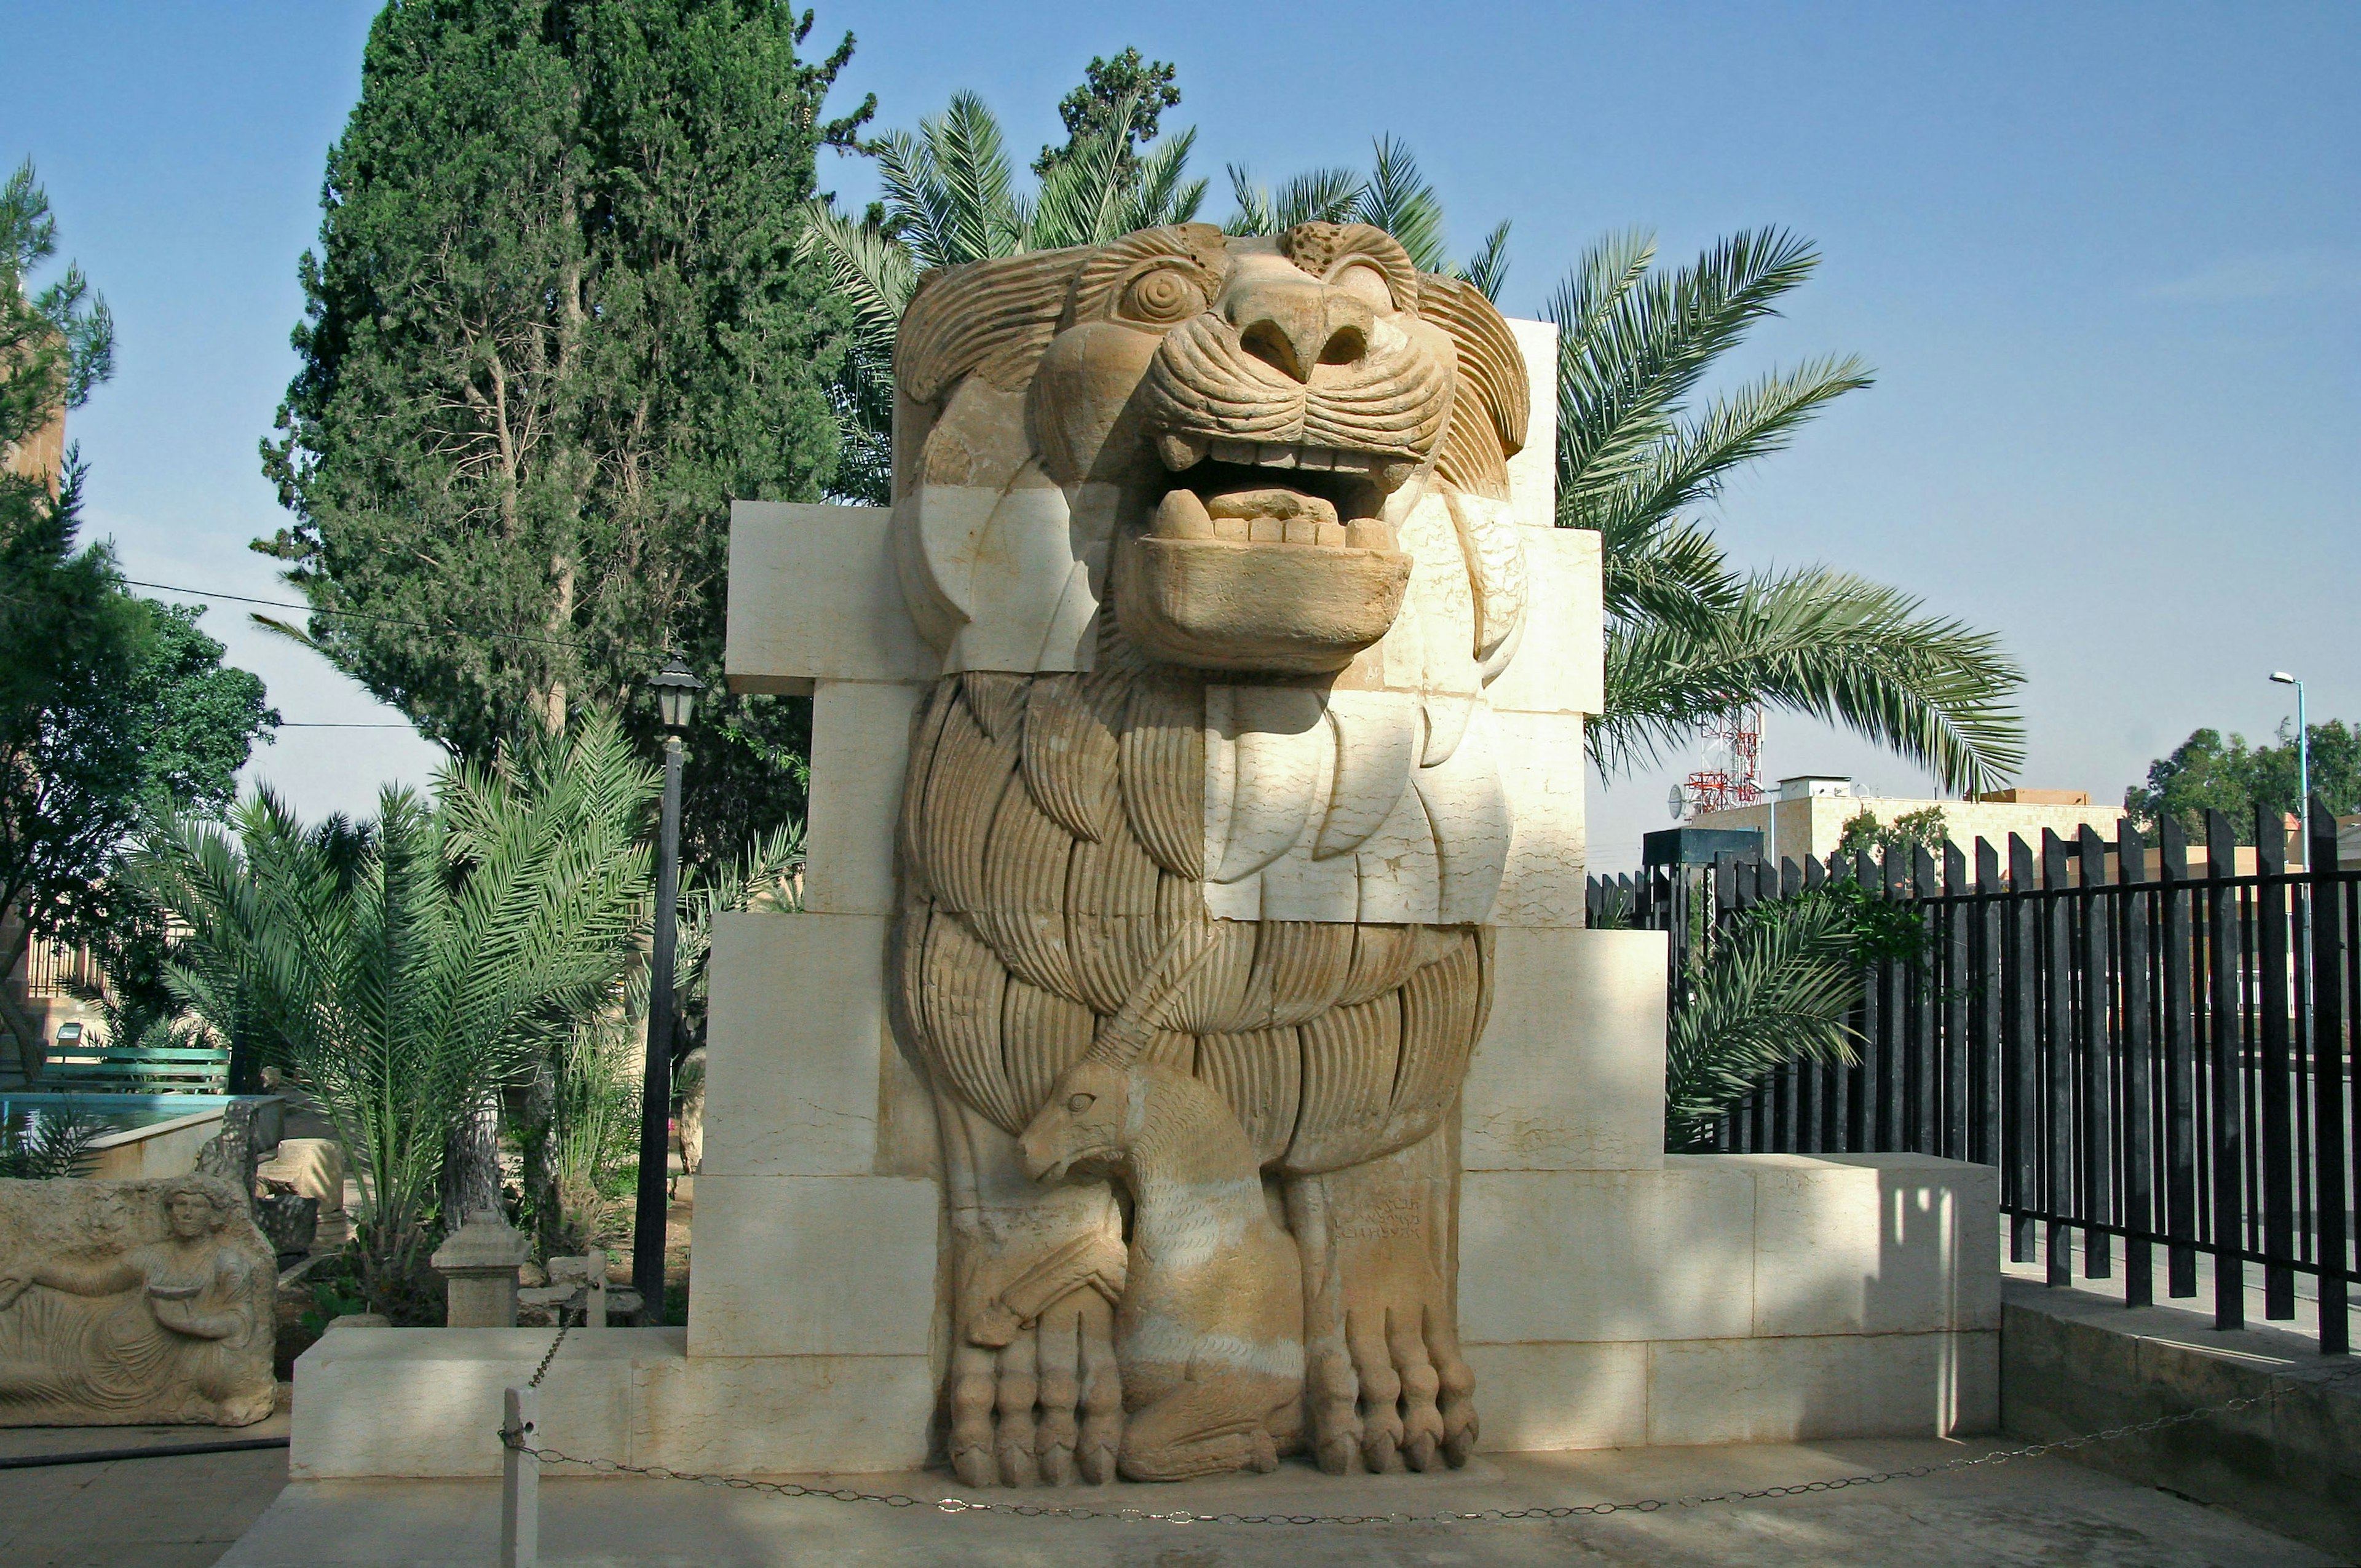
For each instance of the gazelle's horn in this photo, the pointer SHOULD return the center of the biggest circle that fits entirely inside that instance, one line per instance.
(1146, 1010)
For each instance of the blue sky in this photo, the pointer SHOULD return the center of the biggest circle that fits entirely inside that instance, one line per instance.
(2105, 258)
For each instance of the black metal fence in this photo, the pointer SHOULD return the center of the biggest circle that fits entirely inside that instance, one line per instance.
(2153, 1042)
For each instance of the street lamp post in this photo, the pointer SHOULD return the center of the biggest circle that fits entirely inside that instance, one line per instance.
(675, 690)
(2302, 765)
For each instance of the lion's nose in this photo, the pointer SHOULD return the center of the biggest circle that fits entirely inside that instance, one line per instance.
(1294, 326)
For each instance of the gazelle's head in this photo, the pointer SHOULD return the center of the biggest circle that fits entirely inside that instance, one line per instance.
(1088, 1120)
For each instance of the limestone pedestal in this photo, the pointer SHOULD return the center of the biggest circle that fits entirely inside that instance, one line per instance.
(479, 1263)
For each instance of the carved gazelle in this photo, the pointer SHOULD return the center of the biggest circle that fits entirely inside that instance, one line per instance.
(1209, 1335)
(1213, 533)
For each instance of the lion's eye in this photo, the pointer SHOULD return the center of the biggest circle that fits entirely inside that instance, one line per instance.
(1079, 1102)
(1161, 296)
(1365, 282)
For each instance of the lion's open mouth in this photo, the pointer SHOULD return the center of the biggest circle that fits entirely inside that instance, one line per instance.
(1248, 493)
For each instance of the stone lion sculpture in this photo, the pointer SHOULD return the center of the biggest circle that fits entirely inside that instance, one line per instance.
(1213, 536)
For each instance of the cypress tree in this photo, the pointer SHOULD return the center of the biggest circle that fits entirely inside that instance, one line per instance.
(556, 323)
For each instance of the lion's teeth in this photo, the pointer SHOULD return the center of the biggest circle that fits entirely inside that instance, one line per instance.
(1275, 457)
(1314, 458)
(1181, 515)
(1239, 452)
(1179, 452)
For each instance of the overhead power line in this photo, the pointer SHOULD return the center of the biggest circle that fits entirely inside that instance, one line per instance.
(446, 629)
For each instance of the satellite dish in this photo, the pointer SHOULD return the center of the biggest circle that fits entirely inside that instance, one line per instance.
(1675, 801)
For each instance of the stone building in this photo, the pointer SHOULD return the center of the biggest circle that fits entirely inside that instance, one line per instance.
(1811, 810)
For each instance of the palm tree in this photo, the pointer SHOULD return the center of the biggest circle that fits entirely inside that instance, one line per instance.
(1690, 638)
(404, 970)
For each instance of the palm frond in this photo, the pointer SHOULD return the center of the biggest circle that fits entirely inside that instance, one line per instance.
(1633, 344)
(1688, 465)
(1327, 195)
(1397, 199)
(1162, 192)
(1489, 268)
(1773, 988)
(1825, 643)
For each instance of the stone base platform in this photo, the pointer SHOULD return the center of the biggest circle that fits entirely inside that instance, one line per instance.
(2026, 1511)
(1718, 1298)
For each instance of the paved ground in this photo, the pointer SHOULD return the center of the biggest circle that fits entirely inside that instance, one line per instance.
(133, 1513)
(2042, 1512)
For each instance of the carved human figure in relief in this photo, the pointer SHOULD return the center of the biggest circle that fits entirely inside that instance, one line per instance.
(168, 1331)
(1213, 536)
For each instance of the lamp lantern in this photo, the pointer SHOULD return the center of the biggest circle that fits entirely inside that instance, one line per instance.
(675, 690)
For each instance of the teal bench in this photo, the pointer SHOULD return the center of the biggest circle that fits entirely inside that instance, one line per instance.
(186, 1069)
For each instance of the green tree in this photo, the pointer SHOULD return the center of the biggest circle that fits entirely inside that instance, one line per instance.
(2206, 772)
(555, 324)
(1924, 828)
(1128, 92)
(114, 710)
(57, 343)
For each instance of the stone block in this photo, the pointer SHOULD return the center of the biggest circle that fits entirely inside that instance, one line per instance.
(421, 1402)
(1533, 472)
(1542, 773)
(314, 1167)
(427, 1402)
(1871, 1243)
(813, 596)
(861, 746)
(1570, 1072)
(784, 1415)
(1560, 664)
(1537, 1397)
(798, 1019)
(1794, 1389)
(813, 1265)
(1606, 1255)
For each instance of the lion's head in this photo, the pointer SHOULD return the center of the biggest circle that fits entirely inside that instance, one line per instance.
(1227, 434)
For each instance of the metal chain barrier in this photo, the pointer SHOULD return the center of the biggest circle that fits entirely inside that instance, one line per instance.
(563, 1329)
(1572, 1511)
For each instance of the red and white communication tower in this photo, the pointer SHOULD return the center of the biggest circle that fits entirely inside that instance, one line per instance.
(1733, 772)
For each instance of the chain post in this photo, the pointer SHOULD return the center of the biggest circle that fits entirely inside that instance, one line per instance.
(520, 1476)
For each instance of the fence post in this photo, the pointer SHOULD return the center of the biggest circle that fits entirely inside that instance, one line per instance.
(2021, 979)
(2329, 936)
(1991, 1013)
(2277, 1130)
(2181, 990)
(2098, 1076)
(2057, 1041)
(1954, 1054)
(2222, 953)
(520, 1480)
(2138, 1052)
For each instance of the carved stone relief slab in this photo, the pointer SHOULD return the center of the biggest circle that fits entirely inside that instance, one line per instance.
(132, 1303)
(1201, 836)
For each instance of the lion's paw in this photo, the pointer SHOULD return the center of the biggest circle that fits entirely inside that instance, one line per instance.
(1046, 1408)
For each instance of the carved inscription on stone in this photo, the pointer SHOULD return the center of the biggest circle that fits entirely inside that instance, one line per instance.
(132, 1303)
(1203, 821)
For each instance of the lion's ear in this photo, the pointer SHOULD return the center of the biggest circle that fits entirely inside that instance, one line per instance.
(988, 318)
(1489, 416)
